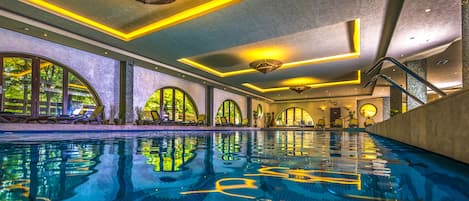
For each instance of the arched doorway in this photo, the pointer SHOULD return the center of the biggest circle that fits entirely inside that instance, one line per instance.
(230, 110)
(172, 104)
(35, 86)
(293, 116)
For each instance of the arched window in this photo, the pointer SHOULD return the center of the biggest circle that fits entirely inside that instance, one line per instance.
(39, 87)
(293, 116)
(177, 105)
(230, 110)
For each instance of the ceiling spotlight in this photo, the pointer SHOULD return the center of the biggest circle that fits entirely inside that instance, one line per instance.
(428, 10)
(265, 65)
(156, 68)
(45, 35)
(157, 2)
(26, 29)
(300, 89)
(106, 52)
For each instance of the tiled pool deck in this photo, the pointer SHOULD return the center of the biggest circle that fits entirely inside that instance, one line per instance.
(86, 127)
(20, 127)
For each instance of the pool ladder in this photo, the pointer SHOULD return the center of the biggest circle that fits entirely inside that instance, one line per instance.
(375, 73)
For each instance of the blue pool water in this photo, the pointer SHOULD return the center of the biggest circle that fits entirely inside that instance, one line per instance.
(223, 166)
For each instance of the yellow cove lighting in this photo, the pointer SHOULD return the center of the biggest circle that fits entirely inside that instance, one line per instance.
(319, 85)
(352, 55)
(139, 32)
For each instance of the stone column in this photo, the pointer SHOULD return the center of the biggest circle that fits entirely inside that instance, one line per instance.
(126, 106)
(395, 100)
(249, 111)
(414, 86)
(465, 43)
(209, 105)
(386, 108)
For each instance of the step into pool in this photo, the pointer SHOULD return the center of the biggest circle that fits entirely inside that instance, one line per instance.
(223, 166)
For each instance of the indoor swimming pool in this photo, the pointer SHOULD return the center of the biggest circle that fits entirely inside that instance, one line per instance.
(216, 166)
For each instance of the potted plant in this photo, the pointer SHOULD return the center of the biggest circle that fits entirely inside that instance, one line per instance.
(139, 112)
(112, 115)
(255, 115)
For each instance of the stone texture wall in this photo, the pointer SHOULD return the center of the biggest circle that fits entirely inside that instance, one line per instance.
(414, 86)
(146, 82)
(440, 126)
(102, 73)
(221, 95)
(465, 43)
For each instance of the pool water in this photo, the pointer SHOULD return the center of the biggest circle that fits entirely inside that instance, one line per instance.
(223, 166)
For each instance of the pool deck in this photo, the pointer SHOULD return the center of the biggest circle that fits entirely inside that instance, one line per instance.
(21, 127)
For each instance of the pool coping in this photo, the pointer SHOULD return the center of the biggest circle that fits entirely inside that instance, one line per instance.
(41, 128)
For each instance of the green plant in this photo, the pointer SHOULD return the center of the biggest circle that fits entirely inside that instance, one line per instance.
(139, 112)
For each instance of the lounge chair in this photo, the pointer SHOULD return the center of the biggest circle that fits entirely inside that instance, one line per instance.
(338, 123)
(41, 120)
(224, 122)
(301, 123)
(96, 116)
(353, 123)
(156, 117)
(201, 120)
(321, 123)
(369, 122)
(245, 123)
(10, 117)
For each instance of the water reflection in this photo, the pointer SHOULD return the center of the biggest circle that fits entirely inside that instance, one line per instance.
(226, 165)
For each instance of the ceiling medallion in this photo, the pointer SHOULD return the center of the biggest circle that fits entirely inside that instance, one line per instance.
(157, 2)
(299, 89)
(265, 65)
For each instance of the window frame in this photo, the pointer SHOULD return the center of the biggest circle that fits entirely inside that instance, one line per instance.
(35, 85)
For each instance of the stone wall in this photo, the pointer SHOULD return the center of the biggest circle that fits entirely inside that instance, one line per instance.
(102, 73)
(440, 126)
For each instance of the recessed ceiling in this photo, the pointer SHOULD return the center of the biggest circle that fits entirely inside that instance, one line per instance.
(300, 30)
(133, 19)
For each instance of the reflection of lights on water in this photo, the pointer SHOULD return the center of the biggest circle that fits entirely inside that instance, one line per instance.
(295, 175)
(20, 184)
(220, 188)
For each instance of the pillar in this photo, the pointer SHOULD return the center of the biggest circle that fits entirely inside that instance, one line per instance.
(249, 111)
(465, 43)
(126, 106)
(209, 106)
(415, 87)
(395, 101)
(386, 108)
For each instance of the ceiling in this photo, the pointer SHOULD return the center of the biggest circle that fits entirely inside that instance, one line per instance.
(331, 41)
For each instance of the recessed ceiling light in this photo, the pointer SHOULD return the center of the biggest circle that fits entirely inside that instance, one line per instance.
(183, 75)
(402, 55)
(26, 29)
(442, 62)
(156, 68)
(224, 88)
(393, 70)
(106, 53)
(45, 34)
(428, 10)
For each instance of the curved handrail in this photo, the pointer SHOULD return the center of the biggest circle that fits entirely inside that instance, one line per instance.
(395, 84)
(380, 62)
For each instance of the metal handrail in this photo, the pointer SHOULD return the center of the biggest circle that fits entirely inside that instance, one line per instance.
(395, 84)
(380, 62)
